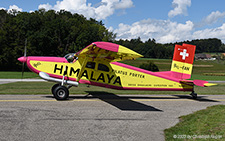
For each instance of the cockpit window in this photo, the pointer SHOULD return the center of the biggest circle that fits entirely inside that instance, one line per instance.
(70, 57)
(90, 65)
(103, 67)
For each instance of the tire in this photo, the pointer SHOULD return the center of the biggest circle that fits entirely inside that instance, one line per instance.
(61, 93)
(194, 95)
(53, 88)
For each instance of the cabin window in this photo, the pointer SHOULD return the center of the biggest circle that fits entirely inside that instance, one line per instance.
(103, 67)
(90, 65)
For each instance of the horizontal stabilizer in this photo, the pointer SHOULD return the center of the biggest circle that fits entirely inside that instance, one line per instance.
(200, 83)
(203, 83)
(209, 84)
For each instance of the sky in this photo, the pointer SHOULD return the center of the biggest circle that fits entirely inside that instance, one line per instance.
(164, 20)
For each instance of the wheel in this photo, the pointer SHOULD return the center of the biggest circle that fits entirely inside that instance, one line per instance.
(53, 87)
(61, 93)
(194, 95)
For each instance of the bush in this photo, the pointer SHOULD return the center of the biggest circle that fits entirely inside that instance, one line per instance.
(149, 66)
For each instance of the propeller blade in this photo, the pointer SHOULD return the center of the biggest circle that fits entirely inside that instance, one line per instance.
(25, 55)
(23, 70)
(25, 48)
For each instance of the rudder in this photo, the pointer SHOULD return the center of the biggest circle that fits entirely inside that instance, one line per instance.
(182, 63)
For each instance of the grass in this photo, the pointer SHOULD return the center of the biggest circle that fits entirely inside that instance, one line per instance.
(206, 77)
(45, 88)
(208, 124)
(17, 75)
(200, 68)
(163, 64)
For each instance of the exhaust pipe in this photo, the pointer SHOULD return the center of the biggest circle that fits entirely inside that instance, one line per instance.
(45, 76)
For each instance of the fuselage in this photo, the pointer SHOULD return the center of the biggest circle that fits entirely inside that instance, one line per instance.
(106, 74)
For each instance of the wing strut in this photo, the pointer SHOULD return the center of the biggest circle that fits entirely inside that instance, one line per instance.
(64, 73)
(82, 68)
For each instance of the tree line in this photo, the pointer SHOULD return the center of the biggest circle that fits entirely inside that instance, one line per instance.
(151, 49)
(56, 33)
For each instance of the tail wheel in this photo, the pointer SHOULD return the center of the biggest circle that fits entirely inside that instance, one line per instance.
(194, 95)
(61, 93)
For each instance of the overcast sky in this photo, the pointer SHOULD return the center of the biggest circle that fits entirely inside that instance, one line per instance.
(164, 20)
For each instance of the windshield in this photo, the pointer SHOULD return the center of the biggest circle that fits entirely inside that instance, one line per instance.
(70, 57)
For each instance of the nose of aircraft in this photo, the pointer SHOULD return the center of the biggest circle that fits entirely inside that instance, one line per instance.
(22, 59)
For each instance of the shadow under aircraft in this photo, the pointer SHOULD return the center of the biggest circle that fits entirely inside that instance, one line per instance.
(122, 103)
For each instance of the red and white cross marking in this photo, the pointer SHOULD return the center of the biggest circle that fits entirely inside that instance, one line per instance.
(184, 54)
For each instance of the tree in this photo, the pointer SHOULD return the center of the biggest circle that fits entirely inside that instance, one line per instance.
(149, 66)
(49, 33)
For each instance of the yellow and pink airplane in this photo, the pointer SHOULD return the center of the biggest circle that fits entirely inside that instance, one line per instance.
(97, 64)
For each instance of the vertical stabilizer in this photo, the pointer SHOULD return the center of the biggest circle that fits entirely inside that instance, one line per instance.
(182, 63)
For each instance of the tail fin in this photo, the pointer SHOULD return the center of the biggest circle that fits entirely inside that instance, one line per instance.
(182, 63)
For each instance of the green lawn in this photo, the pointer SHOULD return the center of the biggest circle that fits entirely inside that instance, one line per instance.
(17, 75)
(208, 124)
(200, 68)
(205, 77)
(45, 87)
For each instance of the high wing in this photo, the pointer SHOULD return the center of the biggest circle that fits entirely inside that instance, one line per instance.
(104, 51)
(107, 51)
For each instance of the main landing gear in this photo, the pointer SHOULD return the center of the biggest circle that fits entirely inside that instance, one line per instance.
(194, 95)
(60, 92)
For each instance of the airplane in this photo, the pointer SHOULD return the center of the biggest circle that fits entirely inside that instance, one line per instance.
(97, 64)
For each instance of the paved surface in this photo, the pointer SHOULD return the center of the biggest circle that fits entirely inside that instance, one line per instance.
(5, 81)
(216, 81)
(96, 117)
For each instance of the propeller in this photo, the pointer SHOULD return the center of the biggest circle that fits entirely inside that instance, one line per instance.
(24, 57)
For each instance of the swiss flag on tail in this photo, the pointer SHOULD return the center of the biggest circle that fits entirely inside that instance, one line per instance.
(184, 53)
(183, 58)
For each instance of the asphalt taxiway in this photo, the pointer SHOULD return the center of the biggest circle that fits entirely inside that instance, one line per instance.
(98, 116)
(5, 81)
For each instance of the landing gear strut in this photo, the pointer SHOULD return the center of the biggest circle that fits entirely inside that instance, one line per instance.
(59, 91)
(194, 95)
